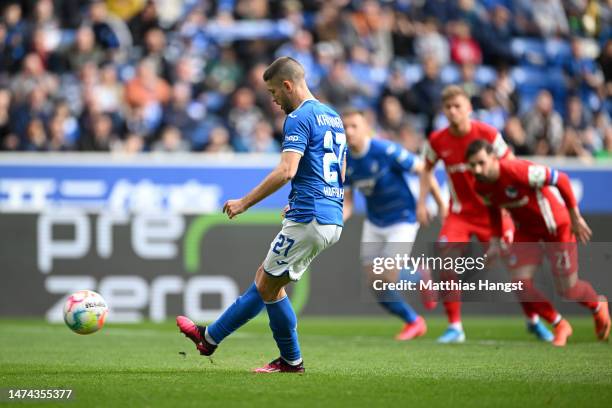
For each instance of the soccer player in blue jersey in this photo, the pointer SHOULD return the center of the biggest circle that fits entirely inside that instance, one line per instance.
(378, 169)
(313, 159)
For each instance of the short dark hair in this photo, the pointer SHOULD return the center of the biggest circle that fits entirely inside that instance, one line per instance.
(476, 146)
(284, 68)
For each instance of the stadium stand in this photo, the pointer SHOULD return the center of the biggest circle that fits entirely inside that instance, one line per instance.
(186, 75)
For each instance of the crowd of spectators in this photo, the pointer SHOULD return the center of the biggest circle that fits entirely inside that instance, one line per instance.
(186, 75)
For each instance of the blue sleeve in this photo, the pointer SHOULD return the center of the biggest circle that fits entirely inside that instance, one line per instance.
(401, 158)
(296, 134)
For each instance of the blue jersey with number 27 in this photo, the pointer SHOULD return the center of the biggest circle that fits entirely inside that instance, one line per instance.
(315, 131)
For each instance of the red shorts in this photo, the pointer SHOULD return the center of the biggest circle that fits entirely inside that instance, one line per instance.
(560, 249)
(454, 238)
(458, 228)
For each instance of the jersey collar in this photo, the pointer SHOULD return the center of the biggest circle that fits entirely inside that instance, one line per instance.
(365, 150)
(303, 102)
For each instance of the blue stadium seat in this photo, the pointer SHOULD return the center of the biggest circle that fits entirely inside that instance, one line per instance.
(530, 51)
(413, 73)
(531, 80)
(530, 77)
(485, 75)
(450, 74)
(538, 52)
(558, 51)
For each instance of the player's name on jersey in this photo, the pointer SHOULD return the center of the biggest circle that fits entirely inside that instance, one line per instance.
(483, 285)
(327, 120)
(335, 192)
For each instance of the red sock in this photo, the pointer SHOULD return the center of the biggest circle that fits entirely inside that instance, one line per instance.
(546, 311)
(528, 310)
(534, 301)
(453, 311)
(583, 293)
(451, 298)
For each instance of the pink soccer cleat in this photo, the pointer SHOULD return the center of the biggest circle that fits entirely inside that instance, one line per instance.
(280, 366)
(413, 330)
(602, 320)
(193, 332)
(563, 330)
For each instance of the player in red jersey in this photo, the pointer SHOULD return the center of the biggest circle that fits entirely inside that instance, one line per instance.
(465, 218)
(525, 190)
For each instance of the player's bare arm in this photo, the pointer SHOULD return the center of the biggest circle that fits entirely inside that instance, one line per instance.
(281, 175)
(436, 192)
(347, 210)
(580, 228)
(425, 183)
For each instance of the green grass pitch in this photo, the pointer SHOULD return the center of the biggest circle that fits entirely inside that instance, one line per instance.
(351, 362)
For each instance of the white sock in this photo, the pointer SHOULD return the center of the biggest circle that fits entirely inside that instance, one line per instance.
(208, 338)
(293, 363)
(456, 326)
(533, 320)
(557, 320)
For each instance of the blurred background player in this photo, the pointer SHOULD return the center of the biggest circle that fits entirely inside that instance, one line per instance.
(525, 190)
(378, 169)
(467, 213)
(313, 158)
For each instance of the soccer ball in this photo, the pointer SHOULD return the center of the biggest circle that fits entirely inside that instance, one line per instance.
(85, 312)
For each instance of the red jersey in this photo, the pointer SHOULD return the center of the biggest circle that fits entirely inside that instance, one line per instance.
(443, 145)
(525, 190)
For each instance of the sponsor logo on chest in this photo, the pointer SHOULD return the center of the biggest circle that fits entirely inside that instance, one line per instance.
(374, 167)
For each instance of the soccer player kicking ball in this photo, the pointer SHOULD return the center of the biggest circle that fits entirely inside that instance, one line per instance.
(467, 213)
(378, 168)
(525, 190)
(313, 158)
